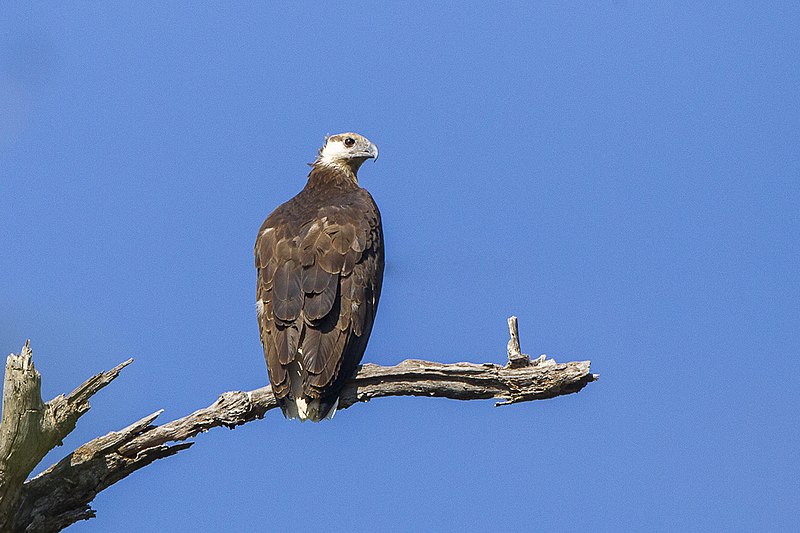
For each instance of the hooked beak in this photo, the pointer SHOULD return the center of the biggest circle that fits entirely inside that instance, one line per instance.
(371, 152)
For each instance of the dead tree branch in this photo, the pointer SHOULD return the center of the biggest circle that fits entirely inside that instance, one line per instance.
(61, 495)
(30, 428)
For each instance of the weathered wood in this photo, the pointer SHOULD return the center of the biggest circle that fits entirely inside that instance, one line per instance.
(515, 356)
(30, 428)
(21, 441)
(61, 495)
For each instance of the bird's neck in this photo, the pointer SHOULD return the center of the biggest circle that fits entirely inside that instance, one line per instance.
(340, 175)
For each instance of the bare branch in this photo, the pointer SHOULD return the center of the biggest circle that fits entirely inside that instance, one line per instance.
(30, 428)
(515, 356)
(61, 495)
(22, 444)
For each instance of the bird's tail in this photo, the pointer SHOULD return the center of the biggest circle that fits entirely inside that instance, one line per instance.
(304, 408)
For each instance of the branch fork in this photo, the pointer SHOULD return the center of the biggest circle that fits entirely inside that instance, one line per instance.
(61, 495)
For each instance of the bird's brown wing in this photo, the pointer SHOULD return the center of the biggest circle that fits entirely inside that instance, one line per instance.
(318, 286)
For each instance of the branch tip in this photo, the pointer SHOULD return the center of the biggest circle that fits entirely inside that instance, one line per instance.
(516, 358)
(122, 365)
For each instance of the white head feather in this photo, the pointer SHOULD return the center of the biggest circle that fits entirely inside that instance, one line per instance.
(349, 149)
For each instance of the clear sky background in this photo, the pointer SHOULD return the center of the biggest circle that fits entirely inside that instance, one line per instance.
(623, 176)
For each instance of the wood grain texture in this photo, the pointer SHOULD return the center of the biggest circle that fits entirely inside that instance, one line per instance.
(61, 495)
(30, 428)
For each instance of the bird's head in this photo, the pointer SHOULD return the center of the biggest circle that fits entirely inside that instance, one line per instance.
(348, 150)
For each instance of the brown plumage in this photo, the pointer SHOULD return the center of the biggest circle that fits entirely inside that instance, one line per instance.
(319, 259)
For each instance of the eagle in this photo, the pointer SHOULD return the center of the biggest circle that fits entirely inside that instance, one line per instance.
(319, 261)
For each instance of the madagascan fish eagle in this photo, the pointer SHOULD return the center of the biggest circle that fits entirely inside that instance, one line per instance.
(319, 259)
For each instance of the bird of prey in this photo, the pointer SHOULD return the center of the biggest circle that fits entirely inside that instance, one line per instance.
(319, 259)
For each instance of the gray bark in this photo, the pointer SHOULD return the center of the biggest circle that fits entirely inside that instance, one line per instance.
(30, 428)
(60, 495)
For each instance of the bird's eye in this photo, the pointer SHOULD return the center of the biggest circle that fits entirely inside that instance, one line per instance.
(349, 142)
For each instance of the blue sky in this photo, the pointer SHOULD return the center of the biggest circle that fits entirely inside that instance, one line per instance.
(623, 176)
